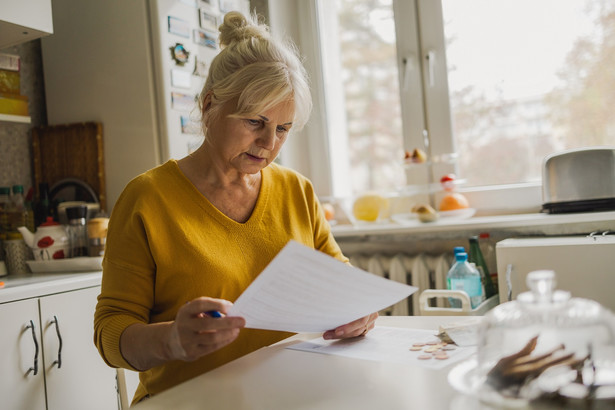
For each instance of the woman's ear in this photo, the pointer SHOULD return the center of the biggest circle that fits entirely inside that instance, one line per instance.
(206, 107)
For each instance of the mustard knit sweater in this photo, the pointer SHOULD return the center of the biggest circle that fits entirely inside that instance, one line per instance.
(167, 244)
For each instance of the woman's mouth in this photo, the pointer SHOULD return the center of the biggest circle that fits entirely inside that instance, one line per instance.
(255, 157)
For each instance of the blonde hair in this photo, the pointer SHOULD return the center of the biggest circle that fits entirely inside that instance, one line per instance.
(256, 70)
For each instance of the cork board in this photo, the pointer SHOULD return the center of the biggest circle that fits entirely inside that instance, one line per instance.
(71, 151)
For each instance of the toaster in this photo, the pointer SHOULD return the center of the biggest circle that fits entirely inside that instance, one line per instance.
(579, 180)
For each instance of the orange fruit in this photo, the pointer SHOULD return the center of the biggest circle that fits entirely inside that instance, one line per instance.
(329, 211)
(453, 201)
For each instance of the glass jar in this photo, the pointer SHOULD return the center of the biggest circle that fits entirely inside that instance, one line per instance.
(77, 230)
(547, 346)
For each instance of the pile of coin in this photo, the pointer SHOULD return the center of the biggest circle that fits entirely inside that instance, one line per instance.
(432, 349)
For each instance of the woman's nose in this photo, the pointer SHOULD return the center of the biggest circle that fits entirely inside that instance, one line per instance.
(267, 137)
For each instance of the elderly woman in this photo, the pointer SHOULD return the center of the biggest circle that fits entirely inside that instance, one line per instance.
(189, 236)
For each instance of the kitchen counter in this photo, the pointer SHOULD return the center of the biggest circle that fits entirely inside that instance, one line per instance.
(18, 287)
(278, 378)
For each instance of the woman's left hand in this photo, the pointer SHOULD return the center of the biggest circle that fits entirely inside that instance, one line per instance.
(359, 327)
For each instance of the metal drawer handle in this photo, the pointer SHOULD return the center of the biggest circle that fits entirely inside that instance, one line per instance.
(58, 361)
(33, 369)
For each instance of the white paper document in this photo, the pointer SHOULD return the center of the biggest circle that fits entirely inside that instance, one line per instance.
(304, 290)
(390, 344)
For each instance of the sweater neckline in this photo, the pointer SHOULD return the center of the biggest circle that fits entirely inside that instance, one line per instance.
(257, 212)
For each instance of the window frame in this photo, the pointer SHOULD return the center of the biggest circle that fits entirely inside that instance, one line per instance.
(428, 110)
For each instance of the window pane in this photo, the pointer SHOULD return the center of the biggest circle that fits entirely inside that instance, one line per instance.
(527, 78)
(366, 35)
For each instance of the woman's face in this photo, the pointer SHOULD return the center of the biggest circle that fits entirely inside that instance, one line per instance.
(249, 144)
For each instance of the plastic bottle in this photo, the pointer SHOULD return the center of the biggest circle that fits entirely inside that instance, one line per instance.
(462, 276)
(17, 214)
(43, 204)
(476, 256)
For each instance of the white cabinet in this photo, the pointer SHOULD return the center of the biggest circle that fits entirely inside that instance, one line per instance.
(22, 21)
(21, 353)
(70, 370)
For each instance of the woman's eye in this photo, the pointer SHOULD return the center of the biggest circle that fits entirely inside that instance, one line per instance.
(282, 129)
(253, 122)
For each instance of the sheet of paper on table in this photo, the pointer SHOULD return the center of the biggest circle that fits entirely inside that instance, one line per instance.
(304, 290)
(389, 344)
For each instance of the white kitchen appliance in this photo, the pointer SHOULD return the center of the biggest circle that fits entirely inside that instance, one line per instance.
(584, 265)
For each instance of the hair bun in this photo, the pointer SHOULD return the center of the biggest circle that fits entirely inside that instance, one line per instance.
(236, 27)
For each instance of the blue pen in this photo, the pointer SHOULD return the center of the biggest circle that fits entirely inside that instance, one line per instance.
(213, 313)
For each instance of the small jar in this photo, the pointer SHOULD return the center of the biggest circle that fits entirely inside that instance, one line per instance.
(77, 230)
(97, 235)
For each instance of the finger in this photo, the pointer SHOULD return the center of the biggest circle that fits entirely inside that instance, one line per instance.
(353, 329)
(205, 304)
(209, 343)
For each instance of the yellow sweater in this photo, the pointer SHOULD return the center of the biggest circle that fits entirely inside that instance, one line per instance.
(167, 244)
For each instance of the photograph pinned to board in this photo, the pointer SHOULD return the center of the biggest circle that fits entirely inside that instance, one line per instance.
(181, 78)
(179, 27)
(211, 5)
(179, 54)
(208, 21)
(181, 101)
(189, 126)
(200, 68)
(203, 38)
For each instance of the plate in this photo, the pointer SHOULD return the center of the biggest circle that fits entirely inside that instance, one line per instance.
(458, 213)
(81, 264)
(404, 218)
(464, 379)
(412, 218)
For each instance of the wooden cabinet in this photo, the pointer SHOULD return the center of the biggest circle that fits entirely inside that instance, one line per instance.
(70, 373)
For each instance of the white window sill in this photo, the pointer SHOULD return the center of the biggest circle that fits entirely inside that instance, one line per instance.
(551, 224)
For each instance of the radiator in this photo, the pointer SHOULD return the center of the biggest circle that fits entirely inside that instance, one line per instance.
(423, 271)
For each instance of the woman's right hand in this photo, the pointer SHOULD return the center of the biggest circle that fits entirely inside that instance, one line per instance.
(194, 333)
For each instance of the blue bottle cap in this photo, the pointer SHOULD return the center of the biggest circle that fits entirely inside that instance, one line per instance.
(461, 257)
(458, 249)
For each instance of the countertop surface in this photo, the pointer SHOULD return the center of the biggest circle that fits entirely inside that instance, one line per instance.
(18, 287)
(278, 378)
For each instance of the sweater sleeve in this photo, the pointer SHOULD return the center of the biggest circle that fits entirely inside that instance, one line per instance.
(128, 277)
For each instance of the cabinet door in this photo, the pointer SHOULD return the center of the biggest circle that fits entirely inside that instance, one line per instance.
(77, 377)
(20, 388)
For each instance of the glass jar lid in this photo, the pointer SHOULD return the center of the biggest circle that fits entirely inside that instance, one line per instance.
(526, 345)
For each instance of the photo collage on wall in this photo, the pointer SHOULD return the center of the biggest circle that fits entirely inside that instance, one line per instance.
(192, 27)
(189, 64)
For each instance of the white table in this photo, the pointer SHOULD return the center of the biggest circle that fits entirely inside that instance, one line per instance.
(278, 378)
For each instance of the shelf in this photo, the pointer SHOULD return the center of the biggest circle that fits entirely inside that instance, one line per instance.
(16, 118)
(606, 220)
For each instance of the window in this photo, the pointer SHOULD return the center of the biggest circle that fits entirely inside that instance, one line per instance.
(486, 88)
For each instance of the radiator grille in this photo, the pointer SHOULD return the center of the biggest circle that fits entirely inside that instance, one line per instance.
(424, 271)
